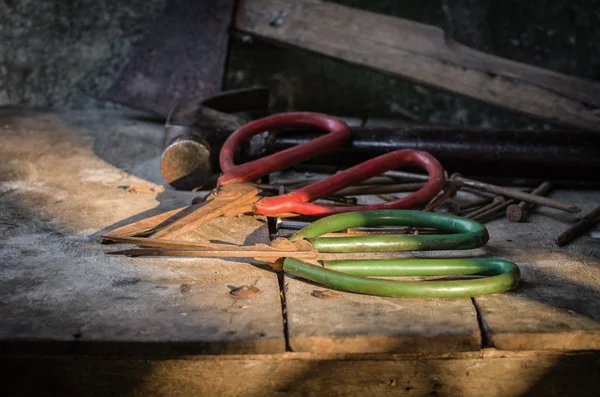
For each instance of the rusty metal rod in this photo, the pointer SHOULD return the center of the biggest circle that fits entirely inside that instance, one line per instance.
(540, 153)
(449, 191)
(516, 194)
(494, 212)
(464, 207)
(496, 201)
(378, 189)
(387, 197)
(583, 225)
(520, 212)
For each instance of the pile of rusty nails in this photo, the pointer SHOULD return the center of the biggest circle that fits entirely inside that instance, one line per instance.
(495, 201)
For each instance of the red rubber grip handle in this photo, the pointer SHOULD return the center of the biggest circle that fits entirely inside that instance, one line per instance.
(338, 134)
(297, 202)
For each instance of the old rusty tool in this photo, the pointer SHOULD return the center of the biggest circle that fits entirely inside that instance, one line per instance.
(235, 196)
(195, 131)
(181, 58)
(520, 212)
(309, 244)
(513, 193)
(541, 154)
(583, 225)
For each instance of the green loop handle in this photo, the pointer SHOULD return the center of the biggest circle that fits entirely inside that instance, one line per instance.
(494, 275)
(465, 233)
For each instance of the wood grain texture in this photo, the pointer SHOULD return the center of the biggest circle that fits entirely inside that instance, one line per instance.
(293, 374)
(61, 184)
(557, 305)
(422, 54)
(355, 323)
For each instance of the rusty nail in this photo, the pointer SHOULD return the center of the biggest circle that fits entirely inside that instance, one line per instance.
(411, 176)
(379, 189)
(493, 212)
(449, 191)
(496, 201)
(464, 207)
(515, 194)
(579, 228)
(387, 197)
(520, 212)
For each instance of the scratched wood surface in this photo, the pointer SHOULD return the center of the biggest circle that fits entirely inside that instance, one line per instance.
(63, 178)
(353, 323)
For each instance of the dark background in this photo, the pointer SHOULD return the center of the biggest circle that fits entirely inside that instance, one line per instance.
(57, 53)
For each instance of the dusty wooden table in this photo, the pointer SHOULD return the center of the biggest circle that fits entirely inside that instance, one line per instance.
(74, 319)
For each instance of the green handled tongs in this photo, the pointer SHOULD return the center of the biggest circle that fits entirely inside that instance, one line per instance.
(356, 275)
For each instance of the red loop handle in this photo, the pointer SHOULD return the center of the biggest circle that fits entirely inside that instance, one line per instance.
(297, 202)
(338, 135)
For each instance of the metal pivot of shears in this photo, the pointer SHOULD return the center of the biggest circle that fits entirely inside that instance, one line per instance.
(235, 196)
(353, 275)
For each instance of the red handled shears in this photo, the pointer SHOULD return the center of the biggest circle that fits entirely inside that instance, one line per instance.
(234, 194)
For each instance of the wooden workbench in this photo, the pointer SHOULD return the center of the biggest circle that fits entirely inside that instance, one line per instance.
(74, 319)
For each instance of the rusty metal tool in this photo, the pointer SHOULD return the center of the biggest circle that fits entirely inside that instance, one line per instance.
(520, 212)
(347, 273)
(235, 196)
(195, 131)
(583, 225)
(513, 193)
(542, 154)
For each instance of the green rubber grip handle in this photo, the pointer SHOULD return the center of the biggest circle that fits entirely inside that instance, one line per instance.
(347, 276)
(464, 233)
(494, 275)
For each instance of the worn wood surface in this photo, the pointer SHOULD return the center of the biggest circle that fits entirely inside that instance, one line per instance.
(321, 320)
(557, 305)
(61, 185)
(421, 54)
(297, 374)
(62, 180)
(354, 323)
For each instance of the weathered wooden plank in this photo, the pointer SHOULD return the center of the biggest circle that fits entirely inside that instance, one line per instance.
(422, 54)
(353, 323)
(61, 179)
(557, 305)
(293, 374)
